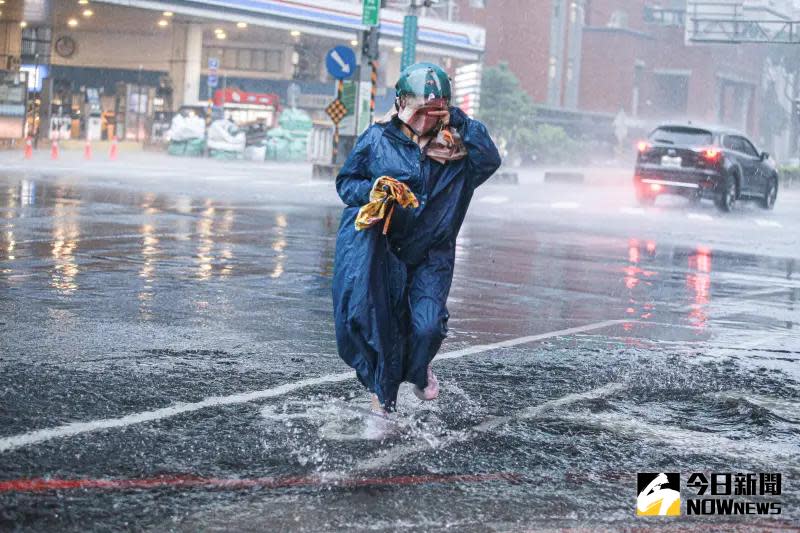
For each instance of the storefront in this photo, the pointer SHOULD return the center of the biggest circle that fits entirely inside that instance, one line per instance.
(123, 67)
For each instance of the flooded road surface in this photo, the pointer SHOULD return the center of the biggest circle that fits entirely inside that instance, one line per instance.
(168, 363)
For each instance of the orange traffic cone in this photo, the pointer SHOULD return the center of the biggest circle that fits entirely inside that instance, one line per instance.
(54, 150)
(87, 150)
(112, 154)
(28, 148)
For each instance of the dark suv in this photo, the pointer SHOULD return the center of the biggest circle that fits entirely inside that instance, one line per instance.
(699, 162)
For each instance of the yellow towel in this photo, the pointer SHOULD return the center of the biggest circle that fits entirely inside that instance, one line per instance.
(386, 191)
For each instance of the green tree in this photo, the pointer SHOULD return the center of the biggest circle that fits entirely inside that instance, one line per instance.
(552, 145)
(506, 109)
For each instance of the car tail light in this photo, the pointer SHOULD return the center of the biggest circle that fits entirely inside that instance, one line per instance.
(655, 187)
(643, 146)
(711, 155)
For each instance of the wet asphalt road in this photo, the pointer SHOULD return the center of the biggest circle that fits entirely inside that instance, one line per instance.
(168, 359)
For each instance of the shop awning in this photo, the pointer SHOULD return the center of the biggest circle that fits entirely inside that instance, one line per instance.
(330, 18)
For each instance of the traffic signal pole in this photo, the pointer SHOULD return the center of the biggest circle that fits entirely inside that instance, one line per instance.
(370, 53)
(339, 89)
(410, 24)
(367, 76)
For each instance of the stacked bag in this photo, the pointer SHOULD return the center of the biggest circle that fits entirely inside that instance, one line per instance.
(289, 141)
(185, 135)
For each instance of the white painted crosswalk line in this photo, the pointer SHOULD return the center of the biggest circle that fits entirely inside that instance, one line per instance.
(77, 428)
(768, 223)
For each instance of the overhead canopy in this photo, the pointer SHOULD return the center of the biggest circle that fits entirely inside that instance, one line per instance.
(331, 18)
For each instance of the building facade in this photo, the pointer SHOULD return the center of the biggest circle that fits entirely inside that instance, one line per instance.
(143, 57)
(622, 56)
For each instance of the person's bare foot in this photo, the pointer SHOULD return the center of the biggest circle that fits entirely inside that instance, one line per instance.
(377, 424)
(376, 405)
(431, 392)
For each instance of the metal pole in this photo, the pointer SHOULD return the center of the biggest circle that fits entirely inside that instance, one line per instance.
(139, 104)
(36, 79)
(339, 89)
(373, 91)
(209, 107)
(409, 36)
(793, 125)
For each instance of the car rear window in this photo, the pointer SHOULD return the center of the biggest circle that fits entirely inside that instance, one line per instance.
(681, 136)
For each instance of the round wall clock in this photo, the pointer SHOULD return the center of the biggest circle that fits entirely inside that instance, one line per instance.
(65, 46)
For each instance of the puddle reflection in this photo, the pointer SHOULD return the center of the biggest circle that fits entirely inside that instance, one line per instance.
(279, 245)
(66, 232)
(27, 193)
(147, 272)
(214, 241)
(634, 275)
(226, 254)
(206, 243)
(698, 279)
(8, 228)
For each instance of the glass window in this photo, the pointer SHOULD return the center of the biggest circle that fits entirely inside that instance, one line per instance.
(259, 60)
(681, 136)
(729, 142)
(274, 60)
(748, 148)
(245, 59)
(230, 58)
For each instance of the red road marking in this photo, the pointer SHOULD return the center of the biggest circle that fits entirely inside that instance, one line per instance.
(188, 481)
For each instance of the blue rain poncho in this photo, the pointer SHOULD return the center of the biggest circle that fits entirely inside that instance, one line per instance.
(390, 291)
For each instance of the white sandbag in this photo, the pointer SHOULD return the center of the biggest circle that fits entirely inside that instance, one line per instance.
(225, 135)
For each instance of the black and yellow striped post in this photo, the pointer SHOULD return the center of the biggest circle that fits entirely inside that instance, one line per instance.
(373, 90)
(339, 89)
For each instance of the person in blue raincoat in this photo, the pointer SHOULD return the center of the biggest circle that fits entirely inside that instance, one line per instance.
(390, 290)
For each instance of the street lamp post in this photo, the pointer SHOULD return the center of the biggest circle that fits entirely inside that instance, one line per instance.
(409, 56)
(410, 34)
(36, 105)
(139, 104)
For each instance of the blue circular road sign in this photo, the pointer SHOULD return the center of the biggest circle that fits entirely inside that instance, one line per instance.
(341, 62)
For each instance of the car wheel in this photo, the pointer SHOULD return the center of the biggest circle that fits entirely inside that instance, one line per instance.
(768, 202)
(726, 198)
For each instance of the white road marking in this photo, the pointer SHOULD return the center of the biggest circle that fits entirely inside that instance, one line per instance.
(393, 454)
(733, 300)
(682, 438)
(534, 205)
(397, 452)
(698, 216)
(494, 199)
(768, 223)
(746, 345)
(525, 340)
(632, 210)
(137, 236)
(76, 428)
(565, 205)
